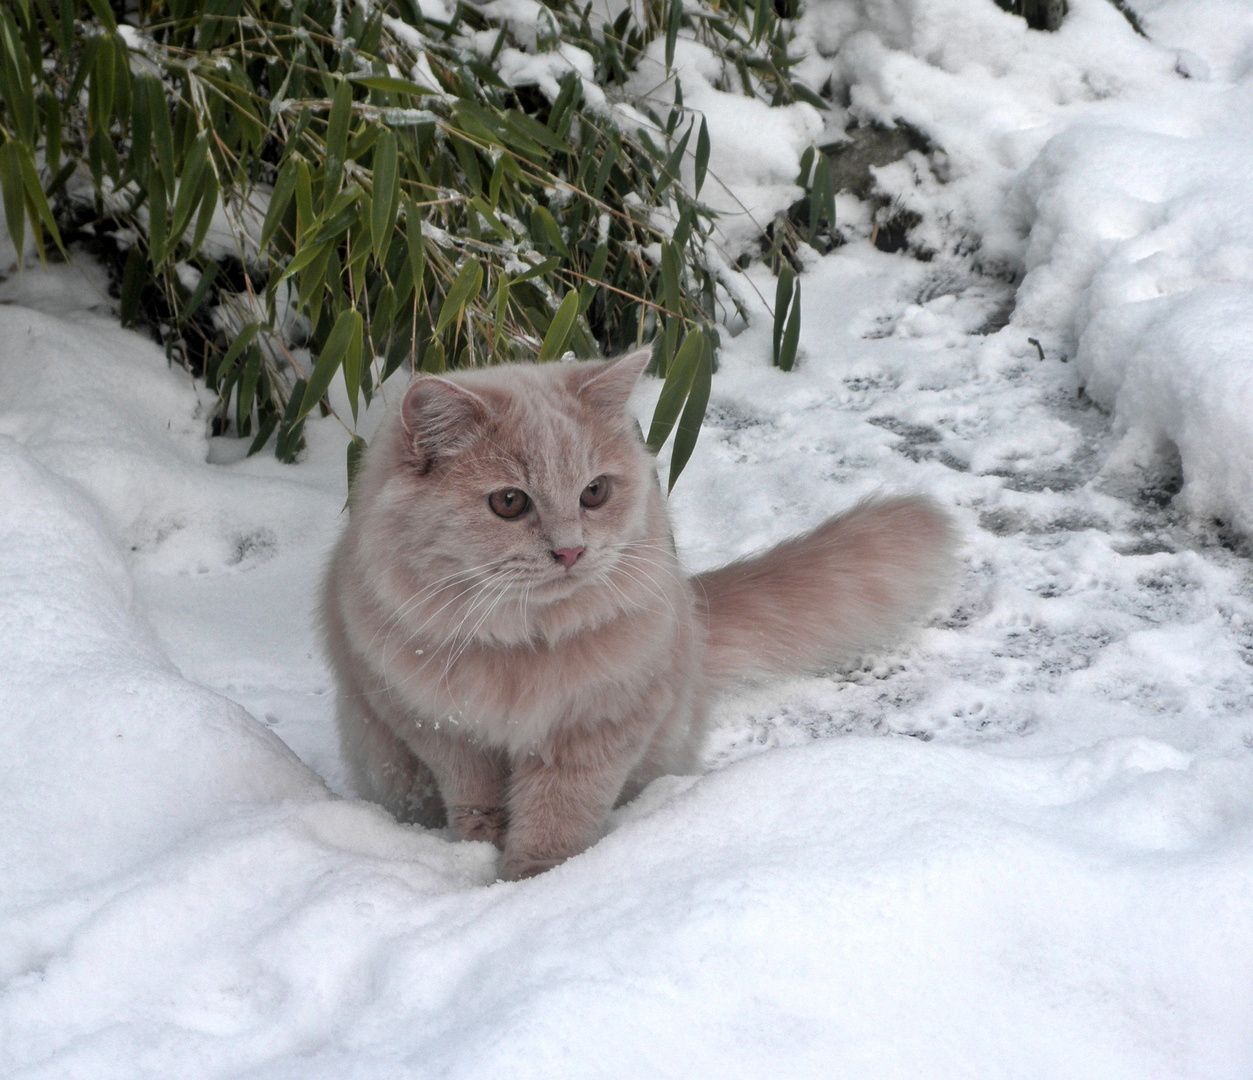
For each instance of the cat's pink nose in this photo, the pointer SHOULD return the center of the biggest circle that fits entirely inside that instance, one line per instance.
(567, 556)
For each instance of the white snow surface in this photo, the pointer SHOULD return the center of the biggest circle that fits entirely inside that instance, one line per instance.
(1018, 845)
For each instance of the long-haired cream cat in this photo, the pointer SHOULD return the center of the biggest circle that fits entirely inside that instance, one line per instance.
(516, 646)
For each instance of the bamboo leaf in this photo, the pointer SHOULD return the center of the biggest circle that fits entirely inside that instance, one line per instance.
(501, 309)
(693, 414)
(702, 155)
(190, 189)
(671, 169)
(675, 392)
(208, 208)
(280, 198)
(201, 290)
(162, 132)
(337, 137)
(433, 357)
(413, 238)
(538, 270)
(464, 289)
(347, 328)
(36, 201)
(133, 277)
(102, 11)
(246, 394)
(559, 329)
(158, 217)
(791, 336)
(390, 84)
(670, 294)
(14, 204)
(357, 447)
(385, 196)
(244, 338)
(675, 18)
(267, 427)
(352, 365)
(782, 298)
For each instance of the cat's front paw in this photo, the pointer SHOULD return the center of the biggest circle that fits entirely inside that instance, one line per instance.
(517, 866)
(480, 823)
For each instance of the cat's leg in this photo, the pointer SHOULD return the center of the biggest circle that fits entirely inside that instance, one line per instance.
(471, 780)
(561, 793)
(383, 769)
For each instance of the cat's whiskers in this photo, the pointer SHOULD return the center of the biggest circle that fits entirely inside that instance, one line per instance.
(392, 621)
(649, 587)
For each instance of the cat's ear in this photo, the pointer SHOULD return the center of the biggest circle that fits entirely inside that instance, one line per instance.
(608, 386)
(438, 416)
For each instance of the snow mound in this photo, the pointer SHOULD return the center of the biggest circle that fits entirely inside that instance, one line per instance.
(1140, 262)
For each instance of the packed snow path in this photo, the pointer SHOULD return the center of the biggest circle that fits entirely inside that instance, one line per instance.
(1021, 844)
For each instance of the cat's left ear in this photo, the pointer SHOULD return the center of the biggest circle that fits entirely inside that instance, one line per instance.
(608, 385)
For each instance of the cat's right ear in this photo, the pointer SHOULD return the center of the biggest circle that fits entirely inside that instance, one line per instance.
(438, 416)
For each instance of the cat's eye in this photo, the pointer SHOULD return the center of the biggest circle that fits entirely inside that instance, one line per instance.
(595, 493)
(509, 503)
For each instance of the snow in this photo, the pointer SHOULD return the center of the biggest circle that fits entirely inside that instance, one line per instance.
(1018, 845)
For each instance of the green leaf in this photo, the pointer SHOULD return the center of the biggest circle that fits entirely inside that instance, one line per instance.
(357, 447)
(208, 207)
(337, 137)
(433, 357)
(679, 381)
(280, 198)
(807, 164)
(242, 340)
(791, 336)
(390, 84)
(501, 309)
(158, 218)
(693, 414)
(802, 93)
(14, 203)
(544, 225)
(133, 278)
(671, 169)
(266, 429)
(538, 270)
(36, 201)
(190, 189)
(671, 297)
(465, 288)
(290, 436)
(304, 201)
(347, 328)
(702, 155)
(675, 18)
(162, 132)
(201, 291)
(352, 365)
(559, 329)
(386, 195)
(245, 395)
(104, 13)
(413, 238)
(782, 298)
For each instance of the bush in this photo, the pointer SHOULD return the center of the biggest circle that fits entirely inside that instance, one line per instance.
(301, 189)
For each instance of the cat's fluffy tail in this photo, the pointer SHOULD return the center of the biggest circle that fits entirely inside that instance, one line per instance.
(855, 581)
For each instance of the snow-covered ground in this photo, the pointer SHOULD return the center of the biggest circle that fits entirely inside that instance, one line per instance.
(1020, 845)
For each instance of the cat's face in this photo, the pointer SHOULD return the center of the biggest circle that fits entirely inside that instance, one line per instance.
(531, 478)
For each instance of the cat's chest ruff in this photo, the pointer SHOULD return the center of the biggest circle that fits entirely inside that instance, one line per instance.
(512, 696)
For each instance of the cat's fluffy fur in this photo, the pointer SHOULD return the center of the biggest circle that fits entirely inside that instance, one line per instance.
(484, 682)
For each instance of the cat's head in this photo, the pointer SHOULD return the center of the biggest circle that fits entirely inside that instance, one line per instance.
(532, 473)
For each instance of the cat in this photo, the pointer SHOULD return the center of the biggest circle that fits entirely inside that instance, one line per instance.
(516, 648)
